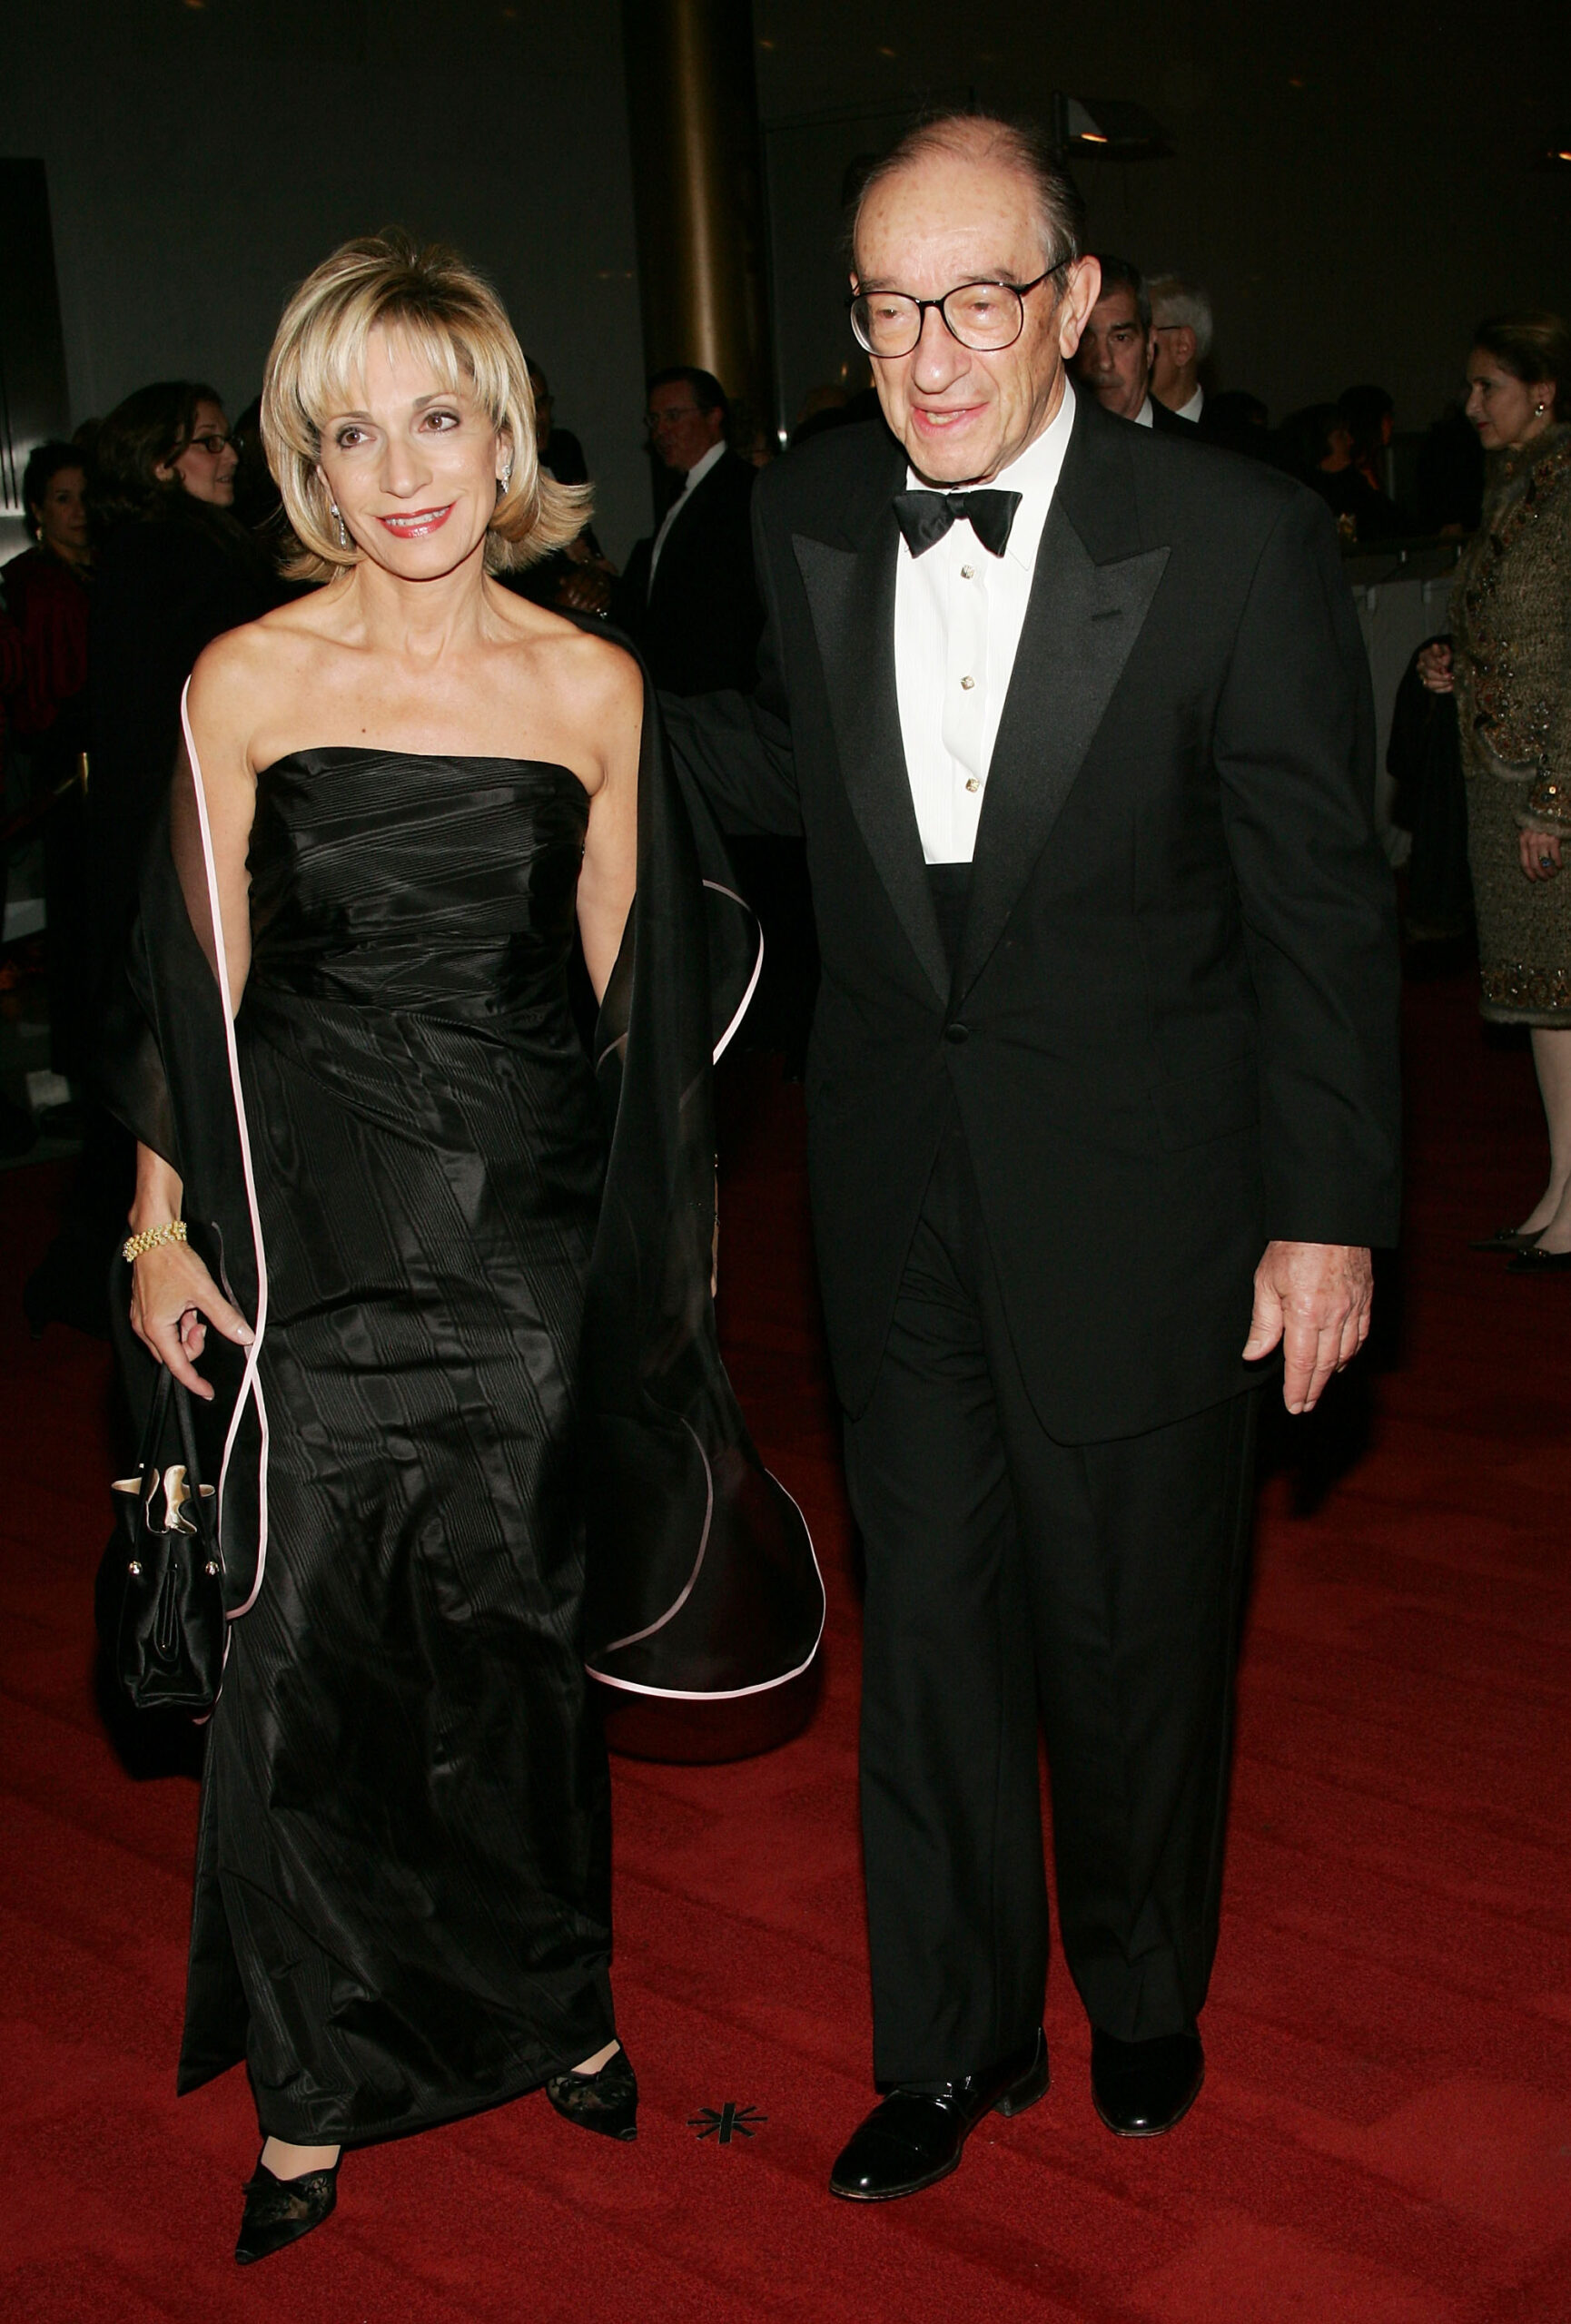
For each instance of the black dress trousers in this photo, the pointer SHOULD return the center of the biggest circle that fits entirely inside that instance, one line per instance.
(1097, 1586)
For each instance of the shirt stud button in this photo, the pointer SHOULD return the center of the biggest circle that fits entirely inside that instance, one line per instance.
(974, 782)
(967, 683)
(968, 572)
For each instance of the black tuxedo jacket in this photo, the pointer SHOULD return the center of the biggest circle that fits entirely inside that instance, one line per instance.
(698, 627)
(1168, 423)
(1171, 1030)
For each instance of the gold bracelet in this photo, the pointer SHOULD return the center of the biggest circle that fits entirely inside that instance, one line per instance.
(171, 1231)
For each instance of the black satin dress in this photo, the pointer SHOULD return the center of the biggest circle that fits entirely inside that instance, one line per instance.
(402, 1907)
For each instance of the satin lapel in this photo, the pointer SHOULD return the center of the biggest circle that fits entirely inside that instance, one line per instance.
(1081, 625)
(851, 595)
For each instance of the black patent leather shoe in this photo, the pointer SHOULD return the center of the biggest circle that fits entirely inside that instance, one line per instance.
(914, 2137)
(1507, 1239)
(1532, 1259)
(1142, 2088)
(606, 2101)
(281, 2210)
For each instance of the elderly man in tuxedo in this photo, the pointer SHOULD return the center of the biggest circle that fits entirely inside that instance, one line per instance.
(1103, 1112)
(1182, 331)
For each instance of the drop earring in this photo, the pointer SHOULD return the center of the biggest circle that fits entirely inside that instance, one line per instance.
(506, 476)
(342, 527)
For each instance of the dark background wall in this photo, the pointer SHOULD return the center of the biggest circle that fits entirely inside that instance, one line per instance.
(202, 158)
(1350, 182)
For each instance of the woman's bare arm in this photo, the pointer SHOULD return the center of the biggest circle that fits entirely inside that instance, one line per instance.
(610, 867)
(173, 1298)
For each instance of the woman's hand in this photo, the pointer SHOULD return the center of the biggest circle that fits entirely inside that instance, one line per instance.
(1434, 668)
(173, 1301)
(1539, 852)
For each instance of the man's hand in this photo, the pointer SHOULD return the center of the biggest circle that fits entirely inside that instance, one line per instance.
(1314, 1297)
(1435, 669)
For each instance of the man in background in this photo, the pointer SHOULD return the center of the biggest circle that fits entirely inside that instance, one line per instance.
(689, 601)
(1181, 322)
(1118, 346)
(687, 598)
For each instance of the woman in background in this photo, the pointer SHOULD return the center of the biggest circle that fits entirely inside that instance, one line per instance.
(1508, 660)
(46, 594)
(173, 570)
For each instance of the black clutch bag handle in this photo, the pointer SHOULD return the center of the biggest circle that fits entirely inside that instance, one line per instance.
(160, 1594)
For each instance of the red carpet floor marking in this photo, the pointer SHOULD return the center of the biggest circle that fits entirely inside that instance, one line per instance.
(1385, 2135)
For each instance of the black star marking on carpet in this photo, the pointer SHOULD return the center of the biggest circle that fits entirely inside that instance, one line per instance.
(726, 2123)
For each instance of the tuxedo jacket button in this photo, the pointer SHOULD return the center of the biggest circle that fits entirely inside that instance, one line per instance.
(957, 1033)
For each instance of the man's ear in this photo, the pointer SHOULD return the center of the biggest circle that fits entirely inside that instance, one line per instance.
(1082, 289)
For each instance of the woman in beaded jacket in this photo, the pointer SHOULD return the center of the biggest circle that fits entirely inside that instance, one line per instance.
(1508, 662)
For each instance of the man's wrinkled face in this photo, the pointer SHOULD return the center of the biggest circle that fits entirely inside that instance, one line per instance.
(946, 221)
(1115, 354)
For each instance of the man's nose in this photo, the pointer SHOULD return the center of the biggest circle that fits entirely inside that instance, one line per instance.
(938, 359)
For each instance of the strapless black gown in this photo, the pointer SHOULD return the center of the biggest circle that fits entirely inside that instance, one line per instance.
(402, 1882)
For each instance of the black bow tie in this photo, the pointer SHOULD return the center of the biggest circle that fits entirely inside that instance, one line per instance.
(926, 517)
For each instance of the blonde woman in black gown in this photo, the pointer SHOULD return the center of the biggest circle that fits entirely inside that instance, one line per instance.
(401, 794)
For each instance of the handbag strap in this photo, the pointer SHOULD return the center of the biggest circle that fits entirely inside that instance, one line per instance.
(152, 1427)
(168, 1390)
(181, 1396)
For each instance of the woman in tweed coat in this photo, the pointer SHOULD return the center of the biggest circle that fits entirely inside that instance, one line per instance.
(1509, 665)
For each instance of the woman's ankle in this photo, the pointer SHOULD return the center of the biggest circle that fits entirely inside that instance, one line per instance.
(287, 2161)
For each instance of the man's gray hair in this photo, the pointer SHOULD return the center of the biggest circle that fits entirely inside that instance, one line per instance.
(990, 142)
(1175, 302)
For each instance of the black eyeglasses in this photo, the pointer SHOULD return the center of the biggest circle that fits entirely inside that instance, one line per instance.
(213, 445)
(984, 316)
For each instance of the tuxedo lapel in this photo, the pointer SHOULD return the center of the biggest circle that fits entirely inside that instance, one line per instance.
(1084, 615)
(851, 596)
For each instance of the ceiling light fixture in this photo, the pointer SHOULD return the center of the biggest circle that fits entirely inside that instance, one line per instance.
(1112, 125)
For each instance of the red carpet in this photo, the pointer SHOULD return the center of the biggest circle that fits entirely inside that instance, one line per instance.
(1386, 2133)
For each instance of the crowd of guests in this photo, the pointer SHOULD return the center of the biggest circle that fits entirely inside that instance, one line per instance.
(159, 527)
(397, 1134)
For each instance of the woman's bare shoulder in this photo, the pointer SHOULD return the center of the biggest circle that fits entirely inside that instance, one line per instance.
(240, 676)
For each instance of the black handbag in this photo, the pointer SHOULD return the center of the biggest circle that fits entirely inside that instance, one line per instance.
(160, 1593)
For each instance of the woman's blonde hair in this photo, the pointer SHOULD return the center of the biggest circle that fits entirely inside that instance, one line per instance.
(450, 313)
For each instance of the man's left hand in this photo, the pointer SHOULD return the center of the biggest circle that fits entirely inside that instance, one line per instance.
(1315, 1298)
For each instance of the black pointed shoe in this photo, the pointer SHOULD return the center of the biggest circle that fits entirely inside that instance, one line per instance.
(281, 2210)
(1507, 1239)
(916, 2135)
(1142, 2088)
(606, 2101)
(1533, 1259)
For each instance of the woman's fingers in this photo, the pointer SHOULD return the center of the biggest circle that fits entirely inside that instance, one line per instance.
(174, 1302)
(1538, 853)
(166, 1342)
